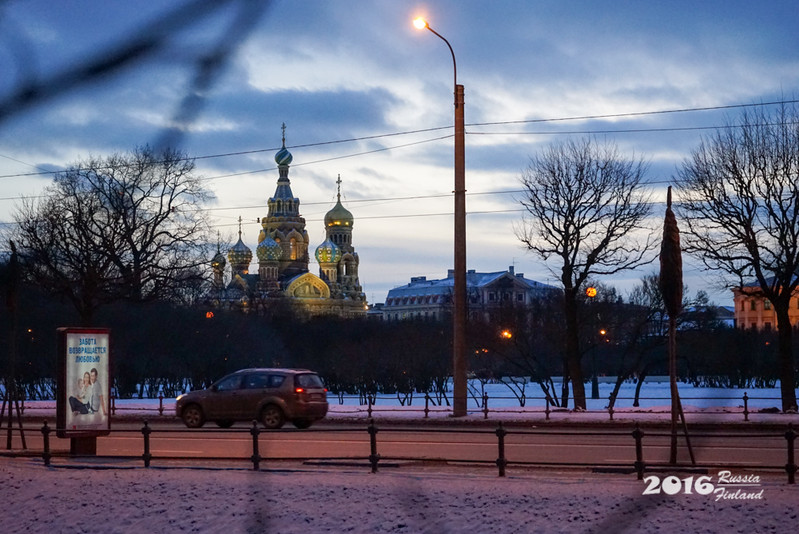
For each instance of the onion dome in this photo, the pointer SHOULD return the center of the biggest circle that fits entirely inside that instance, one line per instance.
(240, 254)
(268, 250)
(283, 156)
(328, 252)
(339, 215)
(218, 262)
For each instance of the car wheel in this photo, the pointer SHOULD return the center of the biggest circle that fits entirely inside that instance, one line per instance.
(224, 424)
(193, 416)
(302, 423)
(272, 417)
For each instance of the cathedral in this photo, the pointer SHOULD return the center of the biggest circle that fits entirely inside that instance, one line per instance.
(282, 255)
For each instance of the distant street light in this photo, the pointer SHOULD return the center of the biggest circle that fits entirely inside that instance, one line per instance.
(459, 289)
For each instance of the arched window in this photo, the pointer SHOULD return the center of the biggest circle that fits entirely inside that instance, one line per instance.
(293, 249)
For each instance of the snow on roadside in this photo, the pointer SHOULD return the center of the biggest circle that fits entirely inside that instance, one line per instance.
(408, 500)
(148, 408)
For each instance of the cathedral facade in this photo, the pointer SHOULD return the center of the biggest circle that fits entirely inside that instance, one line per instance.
(282, 256)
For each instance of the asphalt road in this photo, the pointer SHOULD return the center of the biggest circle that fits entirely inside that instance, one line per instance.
(755, 448)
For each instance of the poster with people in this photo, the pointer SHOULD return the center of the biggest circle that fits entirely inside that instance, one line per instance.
(83, 407)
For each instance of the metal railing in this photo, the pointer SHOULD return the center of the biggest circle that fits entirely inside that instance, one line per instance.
(638, 464)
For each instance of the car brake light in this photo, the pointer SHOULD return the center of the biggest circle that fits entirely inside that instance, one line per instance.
(299, 390)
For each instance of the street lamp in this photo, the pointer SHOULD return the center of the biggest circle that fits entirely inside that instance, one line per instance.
(459, 290)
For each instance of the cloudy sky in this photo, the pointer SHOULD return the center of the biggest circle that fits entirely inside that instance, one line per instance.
(366, 96)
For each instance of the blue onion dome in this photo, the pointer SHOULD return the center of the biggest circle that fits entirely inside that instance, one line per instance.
(283, 156)
(328, 252)
(240, 254)
(338, 216)
(218, 262)
(268, 250)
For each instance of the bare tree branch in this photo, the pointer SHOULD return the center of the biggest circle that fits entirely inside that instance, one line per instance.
(740, 199)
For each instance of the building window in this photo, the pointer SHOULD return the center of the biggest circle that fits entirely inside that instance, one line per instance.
(293, 249)
(520, 297)
(767, 326)
(766, 304)
(491, 296)
(752, 305)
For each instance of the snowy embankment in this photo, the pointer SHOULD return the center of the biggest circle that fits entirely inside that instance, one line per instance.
(410, 500)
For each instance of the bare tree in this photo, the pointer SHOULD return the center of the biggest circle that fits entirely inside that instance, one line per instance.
(740, 200)
(124, 227)
(585, 204)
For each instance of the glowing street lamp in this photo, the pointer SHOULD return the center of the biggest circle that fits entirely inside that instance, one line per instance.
(459, 282)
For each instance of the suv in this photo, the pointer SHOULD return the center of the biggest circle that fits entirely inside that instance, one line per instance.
(272, 396)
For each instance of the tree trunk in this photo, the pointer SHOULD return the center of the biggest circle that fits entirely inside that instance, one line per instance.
(573, 348)
(785, 357)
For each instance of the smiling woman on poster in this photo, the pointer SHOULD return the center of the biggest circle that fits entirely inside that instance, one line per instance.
(85, 361)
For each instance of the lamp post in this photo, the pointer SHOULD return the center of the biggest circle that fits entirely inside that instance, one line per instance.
(459, 290)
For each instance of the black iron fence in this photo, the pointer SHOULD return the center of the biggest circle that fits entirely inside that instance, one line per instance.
(637, 464)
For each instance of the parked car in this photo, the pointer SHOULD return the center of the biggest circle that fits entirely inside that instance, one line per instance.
(271, 396)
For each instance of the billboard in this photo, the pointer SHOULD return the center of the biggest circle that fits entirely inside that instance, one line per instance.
(84, 382)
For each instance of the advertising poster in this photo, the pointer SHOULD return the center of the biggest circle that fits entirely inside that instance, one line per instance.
(83, 407)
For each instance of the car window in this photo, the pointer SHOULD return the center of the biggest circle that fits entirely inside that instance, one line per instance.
(309, 381)
(275, 381)
(229, 383)
(257, 381)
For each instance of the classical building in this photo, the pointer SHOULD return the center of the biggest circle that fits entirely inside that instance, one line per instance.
(432, 299)
(753, 310)
(282, 257)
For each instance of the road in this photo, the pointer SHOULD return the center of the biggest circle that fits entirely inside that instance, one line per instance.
(754, 448)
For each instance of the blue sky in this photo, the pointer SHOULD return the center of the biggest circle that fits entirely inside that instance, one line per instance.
(358, 69)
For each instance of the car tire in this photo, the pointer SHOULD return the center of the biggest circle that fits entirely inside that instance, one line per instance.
(224, 424)
(272, 417)
(193, 416)
(302, 423)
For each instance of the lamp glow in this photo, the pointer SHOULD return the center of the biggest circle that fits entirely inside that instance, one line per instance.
(420, 23)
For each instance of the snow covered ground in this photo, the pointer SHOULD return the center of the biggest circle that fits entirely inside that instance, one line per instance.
(407, 500)
(121, 496)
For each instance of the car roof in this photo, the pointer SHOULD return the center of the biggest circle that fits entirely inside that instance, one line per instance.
(274, 370)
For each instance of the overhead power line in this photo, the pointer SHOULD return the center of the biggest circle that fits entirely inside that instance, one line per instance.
(476, 124)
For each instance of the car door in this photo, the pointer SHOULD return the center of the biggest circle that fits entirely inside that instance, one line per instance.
(254, 388)
(224, 398)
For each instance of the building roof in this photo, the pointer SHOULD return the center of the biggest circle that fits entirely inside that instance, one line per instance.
(421, 286)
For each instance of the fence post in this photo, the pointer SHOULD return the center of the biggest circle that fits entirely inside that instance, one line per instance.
(160, 403)
(638, 434)
(373, 456)
(146, 431)
(426, 405)
(256, 456)
(369, 404)
(610, 411)
(501, 461)
(790, 467)
(546, 411)
(746, 407)
(485, 405)
(46, 452)
(114, 403)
